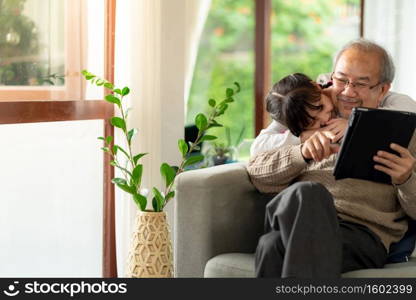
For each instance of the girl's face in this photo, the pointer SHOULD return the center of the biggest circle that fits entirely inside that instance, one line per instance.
(323, 114)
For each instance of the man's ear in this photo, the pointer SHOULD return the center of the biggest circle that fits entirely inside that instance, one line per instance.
(385, 87)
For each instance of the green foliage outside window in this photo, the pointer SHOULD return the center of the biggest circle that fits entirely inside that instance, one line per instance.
(305, 35)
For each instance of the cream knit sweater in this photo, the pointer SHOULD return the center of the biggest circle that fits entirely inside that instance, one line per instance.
(380, 207)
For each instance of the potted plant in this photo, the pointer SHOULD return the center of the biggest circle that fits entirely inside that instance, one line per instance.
(223, 153)
(151, 252)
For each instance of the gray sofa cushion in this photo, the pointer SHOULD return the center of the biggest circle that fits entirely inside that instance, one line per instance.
(230, 265)
(242, 265)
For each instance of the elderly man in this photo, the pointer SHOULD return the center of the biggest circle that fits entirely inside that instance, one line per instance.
(319, 227)
(275, 135)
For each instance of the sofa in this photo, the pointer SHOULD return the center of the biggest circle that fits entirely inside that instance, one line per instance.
(219, 217)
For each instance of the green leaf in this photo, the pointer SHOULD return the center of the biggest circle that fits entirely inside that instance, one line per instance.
(155, 204)
(140, 200)
(122, 184)
(99, 82)
(138, 156)
(113, 99)
(183, 147)
(118, 91)
(208, 138)
(105, 149)
(159, 199)
(193, 146)
(118, 180)
(238, 87)
(157, 193)
(122, 150)
(222, 108)
(125, 91)
(214, 124)
(115, 148)
(168, 173)
(130, 134)
(118, 122)
(212, 102)
(89, 77)
(201, 121)
(175, 168)
(108, 139)
(229, 92)
(170, 195)
(101, 138)
(229, 100)
(137, 175)
(193, 159)
(126, 188)
(109, 85)
(126, 113)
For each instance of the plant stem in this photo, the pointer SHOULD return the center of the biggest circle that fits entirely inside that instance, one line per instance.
(182, 165)
(125, 133)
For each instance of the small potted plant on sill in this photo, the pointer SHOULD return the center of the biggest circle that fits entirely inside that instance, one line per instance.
(223, 153)
(151, 251)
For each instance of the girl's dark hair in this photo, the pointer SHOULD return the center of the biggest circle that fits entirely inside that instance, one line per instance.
(288, 99)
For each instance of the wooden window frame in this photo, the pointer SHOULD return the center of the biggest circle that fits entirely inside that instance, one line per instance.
(262, 72)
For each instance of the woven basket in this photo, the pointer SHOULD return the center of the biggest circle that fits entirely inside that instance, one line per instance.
(150, 253)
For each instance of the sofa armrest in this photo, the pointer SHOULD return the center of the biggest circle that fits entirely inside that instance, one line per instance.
(217, 210)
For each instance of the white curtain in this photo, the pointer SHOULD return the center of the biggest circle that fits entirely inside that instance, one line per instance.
(392, 24)
(156, 44)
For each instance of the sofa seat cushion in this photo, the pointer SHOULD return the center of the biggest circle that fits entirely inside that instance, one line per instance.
(238, 265)
(241, 265)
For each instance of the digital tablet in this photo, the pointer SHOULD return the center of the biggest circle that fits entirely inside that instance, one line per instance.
(370, 130)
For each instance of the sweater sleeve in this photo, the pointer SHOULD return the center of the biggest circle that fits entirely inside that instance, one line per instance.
(406, 192)
(274, 170)
(396, 101)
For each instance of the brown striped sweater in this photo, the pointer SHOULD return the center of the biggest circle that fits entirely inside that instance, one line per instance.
(380, 207)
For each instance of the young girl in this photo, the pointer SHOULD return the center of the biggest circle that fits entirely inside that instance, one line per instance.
(299, 104)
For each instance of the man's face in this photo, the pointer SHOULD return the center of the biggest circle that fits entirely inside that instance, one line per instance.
(363, 70)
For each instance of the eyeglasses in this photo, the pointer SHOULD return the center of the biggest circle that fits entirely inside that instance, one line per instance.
(358, 86)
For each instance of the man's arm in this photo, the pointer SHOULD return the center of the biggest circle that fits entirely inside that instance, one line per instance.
(273, 170)
(406, 193)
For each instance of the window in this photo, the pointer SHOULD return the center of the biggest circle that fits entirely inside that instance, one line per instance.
(226, 55)
(304, 36)
(44, 44)
(307, 33)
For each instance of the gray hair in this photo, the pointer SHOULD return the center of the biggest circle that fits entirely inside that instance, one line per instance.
(386, 61)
